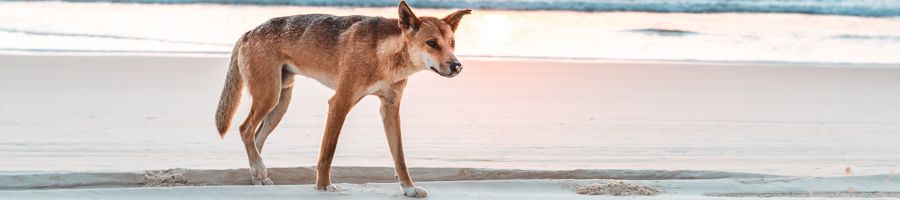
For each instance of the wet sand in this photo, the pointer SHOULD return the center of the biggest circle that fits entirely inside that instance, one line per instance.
(115, 113)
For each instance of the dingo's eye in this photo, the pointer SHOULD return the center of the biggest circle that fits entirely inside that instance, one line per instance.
(432, 43)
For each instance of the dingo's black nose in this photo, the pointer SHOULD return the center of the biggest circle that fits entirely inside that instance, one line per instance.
(455, 67)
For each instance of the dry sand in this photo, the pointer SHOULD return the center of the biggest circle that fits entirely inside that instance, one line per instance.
(306, 175)
(617, 188)
(699, 187)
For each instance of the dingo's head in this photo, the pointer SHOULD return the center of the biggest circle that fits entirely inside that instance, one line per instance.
(430, 41)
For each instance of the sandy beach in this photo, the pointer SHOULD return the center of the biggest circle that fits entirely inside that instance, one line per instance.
(559, 99)
(95, 126)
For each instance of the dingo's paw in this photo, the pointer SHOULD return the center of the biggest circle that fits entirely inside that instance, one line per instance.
(329, 188)
(265, 181)
(415, 191)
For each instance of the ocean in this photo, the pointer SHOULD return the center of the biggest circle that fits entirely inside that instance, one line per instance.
(866, 8)
(802, 31)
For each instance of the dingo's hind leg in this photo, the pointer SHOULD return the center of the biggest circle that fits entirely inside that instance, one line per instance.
(264, 85)
(274, 117)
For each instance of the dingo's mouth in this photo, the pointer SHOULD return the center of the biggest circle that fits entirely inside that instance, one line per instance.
(451, 75)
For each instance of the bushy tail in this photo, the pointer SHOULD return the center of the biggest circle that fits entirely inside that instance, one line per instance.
(231, 95)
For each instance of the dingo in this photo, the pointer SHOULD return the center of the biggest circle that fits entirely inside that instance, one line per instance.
(353, 55)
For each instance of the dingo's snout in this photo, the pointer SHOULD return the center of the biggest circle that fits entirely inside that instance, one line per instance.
(451, 69)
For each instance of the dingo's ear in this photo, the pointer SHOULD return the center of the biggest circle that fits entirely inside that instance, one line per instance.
(408, 19)
(453, 18)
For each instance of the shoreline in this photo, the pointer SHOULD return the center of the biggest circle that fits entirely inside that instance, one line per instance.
(621, 35)
(56, 53)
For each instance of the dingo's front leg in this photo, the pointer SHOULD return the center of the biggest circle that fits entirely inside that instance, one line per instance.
(390, 115)
(339, 105)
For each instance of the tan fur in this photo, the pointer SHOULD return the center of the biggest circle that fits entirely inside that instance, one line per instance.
(354, 55)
